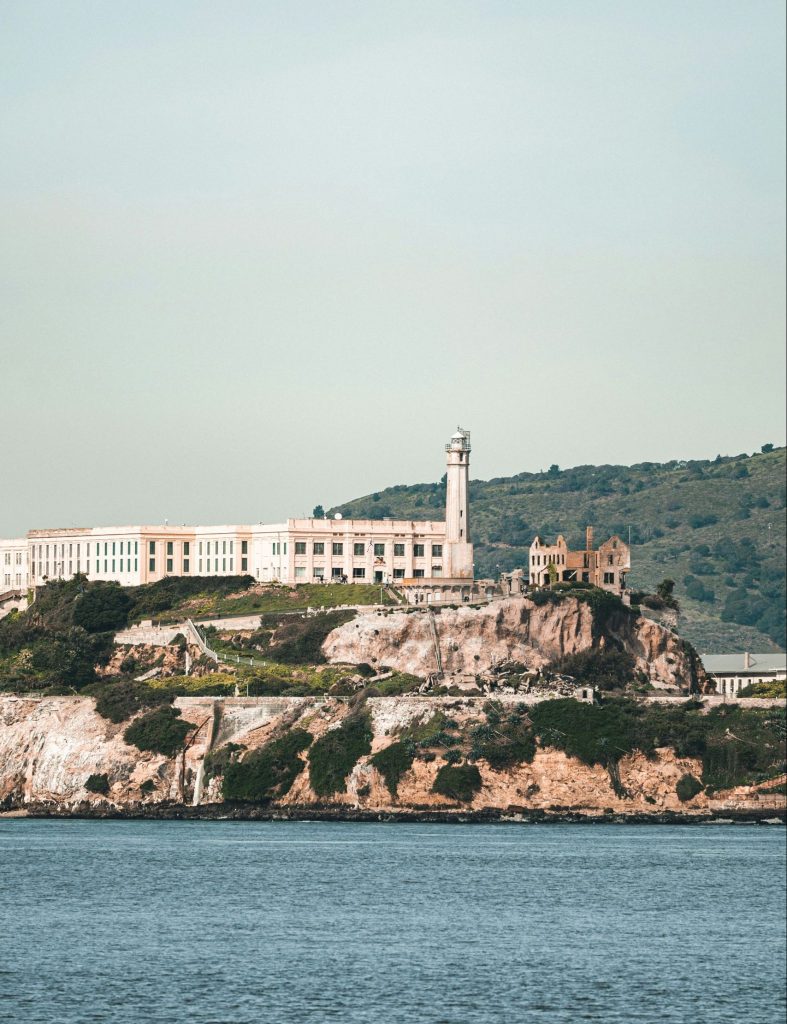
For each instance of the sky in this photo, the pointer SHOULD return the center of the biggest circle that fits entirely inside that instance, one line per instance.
(257, 256)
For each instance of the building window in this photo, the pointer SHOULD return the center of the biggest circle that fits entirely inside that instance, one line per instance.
(398, 550)
(437, 570)
(398, 574)
(609, 577)
(437, 551)
(185, 565)
(224, 565)
(319, 572)
(244, 547)
(169, 547)
(199, 566)
(379, 550)
(359, 574)
(300, 572)
(419, 574)
(336, 572)
(151, 548)
(418, 551)
(186, 549)
(357, 549)
(244, 564)
(300, 547)
(169, 565)
(338, 549)
(152, 564)
(319, 548)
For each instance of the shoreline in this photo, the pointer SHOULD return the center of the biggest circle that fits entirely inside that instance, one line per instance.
(251, 812)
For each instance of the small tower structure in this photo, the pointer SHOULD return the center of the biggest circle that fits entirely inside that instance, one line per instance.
(458, 557)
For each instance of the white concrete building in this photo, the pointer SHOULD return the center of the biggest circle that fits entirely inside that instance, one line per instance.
(13, 565)
(733, 672)
(295, 551)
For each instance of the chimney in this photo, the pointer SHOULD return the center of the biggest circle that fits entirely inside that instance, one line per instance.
(746, 660)
(588, 538)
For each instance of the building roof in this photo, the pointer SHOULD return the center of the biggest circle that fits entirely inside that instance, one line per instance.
(725, 664)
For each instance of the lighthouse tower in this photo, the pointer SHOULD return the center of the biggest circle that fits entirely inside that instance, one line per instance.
(458, 557)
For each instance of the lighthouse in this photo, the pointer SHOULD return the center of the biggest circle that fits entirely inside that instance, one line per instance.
(458, 563)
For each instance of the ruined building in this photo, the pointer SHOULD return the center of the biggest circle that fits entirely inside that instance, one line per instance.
(605, 566)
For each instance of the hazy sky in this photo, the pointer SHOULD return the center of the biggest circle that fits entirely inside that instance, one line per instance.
(256, 256)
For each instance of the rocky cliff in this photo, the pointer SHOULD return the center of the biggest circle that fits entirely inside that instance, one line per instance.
(473, 641)
(50, 746)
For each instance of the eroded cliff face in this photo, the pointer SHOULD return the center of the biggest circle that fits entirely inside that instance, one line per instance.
(475, 640)
(49, 747)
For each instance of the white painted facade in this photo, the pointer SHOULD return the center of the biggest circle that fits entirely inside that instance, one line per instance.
(296, 551)
(733, 672)
(13, 564)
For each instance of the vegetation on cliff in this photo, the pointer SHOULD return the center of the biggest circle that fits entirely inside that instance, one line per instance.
(334, 755)
(457, 782)
(736, 745)
(716, 526)
(97, 783)
(393, 761)
(160, 731)
(268, 773)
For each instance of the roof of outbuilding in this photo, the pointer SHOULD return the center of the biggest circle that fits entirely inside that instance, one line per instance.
(729, 663)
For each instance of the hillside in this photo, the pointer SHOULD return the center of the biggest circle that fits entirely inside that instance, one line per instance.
(717, 527)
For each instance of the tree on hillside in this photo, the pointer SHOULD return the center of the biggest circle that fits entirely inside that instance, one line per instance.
(766, 448)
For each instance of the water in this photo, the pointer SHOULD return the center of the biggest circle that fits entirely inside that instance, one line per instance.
(214, 922)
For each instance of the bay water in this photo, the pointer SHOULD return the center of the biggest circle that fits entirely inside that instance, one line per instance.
(240, 922)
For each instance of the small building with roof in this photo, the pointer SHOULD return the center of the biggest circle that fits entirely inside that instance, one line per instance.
(733, 672)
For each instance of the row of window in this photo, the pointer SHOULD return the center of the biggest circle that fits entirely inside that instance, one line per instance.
(318, 548)
(17, 558)
(546, 559)
(17, 581)
(359, 572)
(123, 547)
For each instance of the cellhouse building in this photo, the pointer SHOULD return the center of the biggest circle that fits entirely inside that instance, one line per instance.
(430, 554)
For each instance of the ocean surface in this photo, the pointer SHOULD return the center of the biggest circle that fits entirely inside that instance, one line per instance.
(437, 924)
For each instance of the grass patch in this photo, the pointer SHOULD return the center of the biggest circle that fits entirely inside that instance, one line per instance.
(268, 773)
(334, 755)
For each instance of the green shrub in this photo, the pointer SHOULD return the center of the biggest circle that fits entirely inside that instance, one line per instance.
(768, 688)
(458, 782)
(119, 701)
(299, 641)
(97, 784)
(393, 761)
(595, 734)
(217, 761)
(102, 608)
(334, 755)
(160, 731)
(606, 669)
(688, 787)
(268, 773)
(152, 599)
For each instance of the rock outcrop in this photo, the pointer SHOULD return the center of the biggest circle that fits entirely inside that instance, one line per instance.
(50, 746)
(472, 641)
